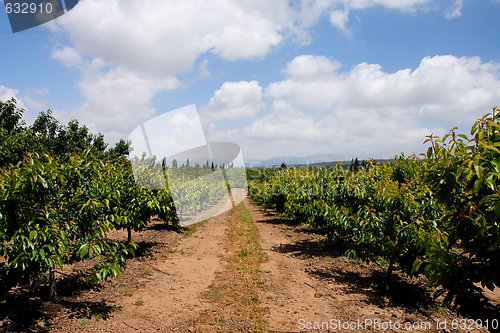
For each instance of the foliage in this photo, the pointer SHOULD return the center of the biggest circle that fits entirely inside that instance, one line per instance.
(437, 216)
(464, 175)
(61, 194)
(55, 214)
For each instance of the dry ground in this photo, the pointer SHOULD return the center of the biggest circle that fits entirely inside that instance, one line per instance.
(243, 271)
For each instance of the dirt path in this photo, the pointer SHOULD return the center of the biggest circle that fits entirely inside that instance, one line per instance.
(171, 290)
(246, 271)
(292, 292)
(312, 290)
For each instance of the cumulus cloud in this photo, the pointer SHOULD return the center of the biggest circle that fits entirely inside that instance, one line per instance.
(311, 66)
(203, 71)
(32, 100)
(168, 36)
(406, 5)
(457, 85)
(8, 93)
(35, 100)
(67, 55)
(307, 12)
(339, 10)
(365, 111)
(118, 99)
(235, 100)
(285, 123)
(340, 18)
(137, 48)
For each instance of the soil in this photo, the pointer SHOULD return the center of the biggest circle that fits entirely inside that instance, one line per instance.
(303, 286)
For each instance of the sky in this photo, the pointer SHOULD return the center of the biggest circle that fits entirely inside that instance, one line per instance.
(348, 78)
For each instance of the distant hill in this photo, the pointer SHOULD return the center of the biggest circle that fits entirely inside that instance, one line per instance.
(317, 160)
(293, 160)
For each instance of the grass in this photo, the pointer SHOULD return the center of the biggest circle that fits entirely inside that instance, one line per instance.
(126, 292)
(145, 273)
(243, 252)
(139, 302)
(85, 321)
(235, 295)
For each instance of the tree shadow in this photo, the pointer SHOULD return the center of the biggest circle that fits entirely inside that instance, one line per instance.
(167, 227)
(20, 310)
(88, 310)
(278, 220)
(305, 249)
(74, 284)
(311, 248)
(402, 291)
(146, 249)
(480, 309)
(24, 309)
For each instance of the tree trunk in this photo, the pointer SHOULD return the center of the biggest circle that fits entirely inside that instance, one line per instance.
(388, 275)
(129, 234)
(52, 284)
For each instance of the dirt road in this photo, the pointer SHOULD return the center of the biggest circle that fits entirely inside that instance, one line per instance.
(246, 271)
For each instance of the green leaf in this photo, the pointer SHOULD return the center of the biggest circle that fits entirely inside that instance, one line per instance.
(496, 164)
(477, 186)
(416, 265)
(83, 251)
(490, 147)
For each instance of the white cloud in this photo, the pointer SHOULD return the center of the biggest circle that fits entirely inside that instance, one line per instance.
(203, 71)
(340, 18)
(8, 93)
(285, 123)
(464, 85)
(138, 47)
(311, 66)
(35, 99)
(118, 99)
(308, 11)
(339, 10)
(405, 5)
(32, 100)
(455, 10)
(365, 111)
(67, 55)
(168, 36)
(235, 100)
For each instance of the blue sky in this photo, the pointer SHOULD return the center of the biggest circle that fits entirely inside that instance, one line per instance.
(366, 78)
